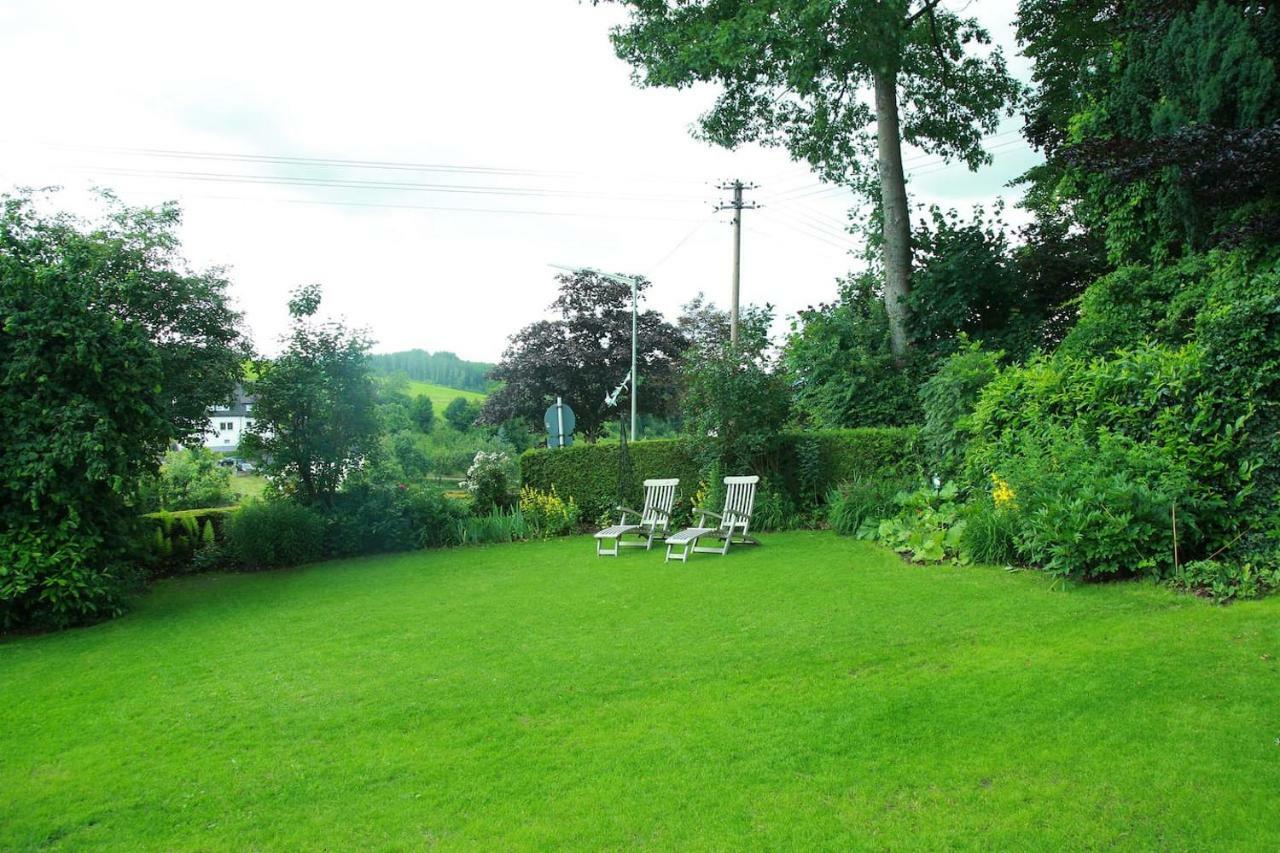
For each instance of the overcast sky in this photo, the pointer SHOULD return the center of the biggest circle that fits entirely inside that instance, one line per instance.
(541, 151)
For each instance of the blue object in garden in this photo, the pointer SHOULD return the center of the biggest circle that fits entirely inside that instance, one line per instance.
(560, 423)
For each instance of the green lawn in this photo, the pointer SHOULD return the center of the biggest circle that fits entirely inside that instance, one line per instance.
(248, 486)
(814, 692)
(441, 395)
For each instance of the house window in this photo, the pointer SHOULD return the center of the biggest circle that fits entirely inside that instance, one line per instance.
(226, 425)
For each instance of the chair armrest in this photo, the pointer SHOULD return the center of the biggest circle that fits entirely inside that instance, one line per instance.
(701, 511)
(628, 510)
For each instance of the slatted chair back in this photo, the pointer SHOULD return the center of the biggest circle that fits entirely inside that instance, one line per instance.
(659, 498)
(739, 501)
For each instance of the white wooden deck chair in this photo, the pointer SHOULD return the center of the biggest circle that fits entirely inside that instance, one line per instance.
(735, 522)
(648, 524)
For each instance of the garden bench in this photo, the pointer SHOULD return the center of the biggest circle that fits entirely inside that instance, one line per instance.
(734, 522)
(650, 523)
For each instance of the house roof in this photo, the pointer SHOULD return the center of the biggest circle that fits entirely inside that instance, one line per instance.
(236, 407)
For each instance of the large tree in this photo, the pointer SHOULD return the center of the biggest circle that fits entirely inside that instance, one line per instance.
(841, 84)
(111, 348)
(1160, 122)
(584, 354)
(315, 412)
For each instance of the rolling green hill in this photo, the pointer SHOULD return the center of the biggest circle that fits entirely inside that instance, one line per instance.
(441, 395)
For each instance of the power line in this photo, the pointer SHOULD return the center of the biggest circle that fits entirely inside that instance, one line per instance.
(490, 210)
(285, 159)
(685, 239)
(406, 186)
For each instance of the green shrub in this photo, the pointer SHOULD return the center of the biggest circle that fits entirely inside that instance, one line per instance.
(56, 578)
(990, 533)
(489, 481)
(856, 506)
(588, 473)
(546, 513)
(1179, 364)
(190, 478)
(774, 509)
(372, 518)
(270, 534)
(927, 527)
(948, 399)
(1099, 510)
(1226, 581)
(175, 539)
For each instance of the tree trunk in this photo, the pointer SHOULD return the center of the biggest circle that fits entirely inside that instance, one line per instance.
(893, 205)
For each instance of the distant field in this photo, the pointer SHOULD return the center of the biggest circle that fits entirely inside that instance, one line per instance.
(441, 395)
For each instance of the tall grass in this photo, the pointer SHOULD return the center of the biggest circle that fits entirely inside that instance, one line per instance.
(989, 534)
(861, 502)
(497, 526)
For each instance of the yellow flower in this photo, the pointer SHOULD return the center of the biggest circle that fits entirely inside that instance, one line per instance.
(1002, 493)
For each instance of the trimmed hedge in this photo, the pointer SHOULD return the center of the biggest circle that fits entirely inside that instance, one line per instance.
(173, 538)
(806, 465)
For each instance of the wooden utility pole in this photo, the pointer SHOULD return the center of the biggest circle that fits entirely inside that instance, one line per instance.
(737, 206)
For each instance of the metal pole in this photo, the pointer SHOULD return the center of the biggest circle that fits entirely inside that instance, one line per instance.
(634, 375)
(560, 422)
(737, 261)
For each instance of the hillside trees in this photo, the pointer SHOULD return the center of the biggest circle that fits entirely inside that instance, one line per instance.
(440, 368)
(584, 354)
(795, 72)
(112, 348)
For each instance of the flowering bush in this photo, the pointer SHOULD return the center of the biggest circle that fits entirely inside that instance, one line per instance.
(1002, 493)
(487, 481)
(546, 513)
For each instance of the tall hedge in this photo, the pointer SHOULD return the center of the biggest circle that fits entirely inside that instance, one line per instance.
(805, 464)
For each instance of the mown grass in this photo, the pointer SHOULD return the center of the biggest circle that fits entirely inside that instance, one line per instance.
(441, 395)
(814, 692)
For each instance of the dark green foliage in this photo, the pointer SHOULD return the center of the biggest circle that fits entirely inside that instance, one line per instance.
(440, 368)
(188, 479)
(461, 413)
(735, 400)
(583, 354)
(516, 432)
(588, 473)
(274, 534)
(1160, 120)
(315, 419)
(841, 367)
(110, 349)
(423, 413)
(948, 399)
(969, 281)
(775, 509)
(375, 517)
(409, 454)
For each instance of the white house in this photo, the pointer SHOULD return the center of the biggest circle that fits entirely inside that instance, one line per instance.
(228, 423)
